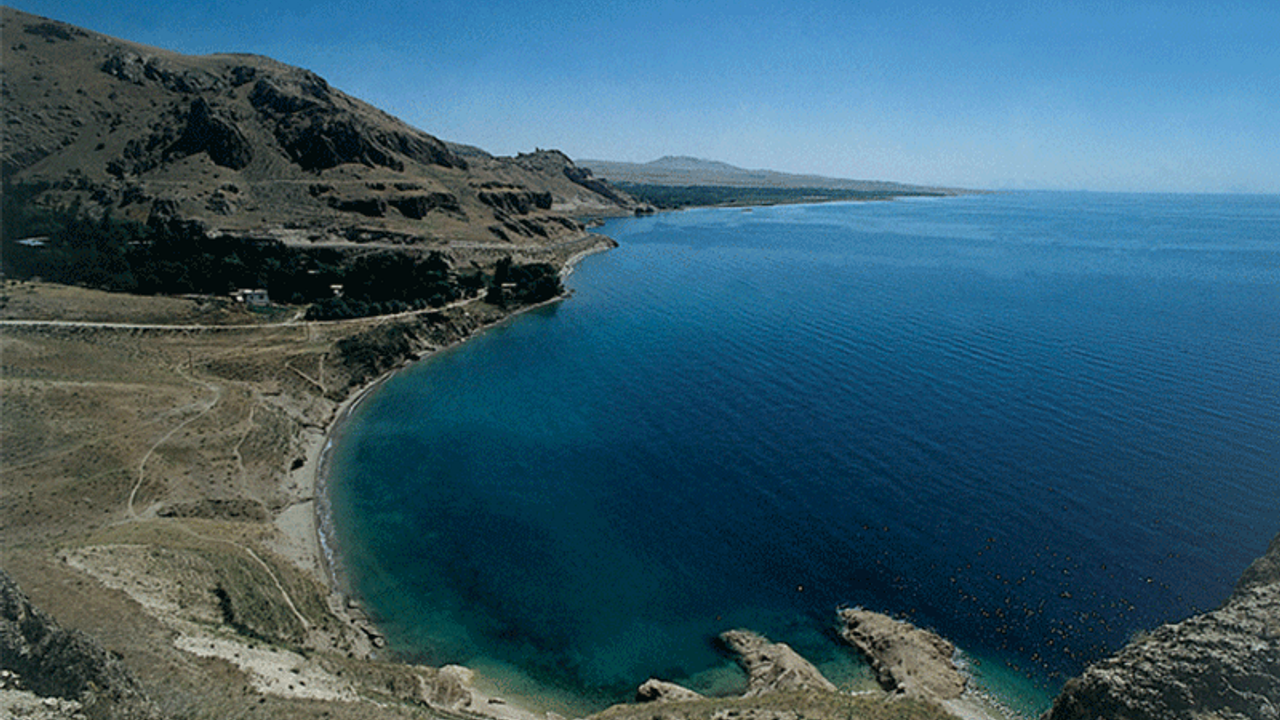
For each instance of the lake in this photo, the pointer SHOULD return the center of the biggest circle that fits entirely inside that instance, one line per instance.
(1036, 423)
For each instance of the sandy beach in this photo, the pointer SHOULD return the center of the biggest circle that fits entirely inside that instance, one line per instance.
(304, 526)
(163, 481)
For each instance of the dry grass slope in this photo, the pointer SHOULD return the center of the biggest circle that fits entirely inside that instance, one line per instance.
(146, 475)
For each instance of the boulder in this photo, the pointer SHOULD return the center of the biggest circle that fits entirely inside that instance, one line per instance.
(450, 689)
(655, 690)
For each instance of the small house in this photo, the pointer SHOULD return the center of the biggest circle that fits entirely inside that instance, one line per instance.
(252, 298)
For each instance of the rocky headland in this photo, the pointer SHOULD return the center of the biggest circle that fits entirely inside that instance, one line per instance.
(781, 685)
(908, 661)
(1223, 664)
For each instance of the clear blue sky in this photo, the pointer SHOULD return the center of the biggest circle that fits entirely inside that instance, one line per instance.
(1156, 96)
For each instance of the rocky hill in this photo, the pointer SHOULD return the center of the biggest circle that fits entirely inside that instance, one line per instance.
(248, 146)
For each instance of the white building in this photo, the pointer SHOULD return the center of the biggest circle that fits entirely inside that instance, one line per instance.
(252, 298)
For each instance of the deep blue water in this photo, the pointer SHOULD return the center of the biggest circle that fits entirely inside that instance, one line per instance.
(1036, 423)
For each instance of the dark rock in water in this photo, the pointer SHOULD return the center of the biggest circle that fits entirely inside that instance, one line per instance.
(908, 661)
(1223, 664)
(772, 667)
(69, 664)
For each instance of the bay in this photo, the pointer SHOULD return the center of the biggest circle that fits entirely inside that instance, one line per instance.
(1037, 423)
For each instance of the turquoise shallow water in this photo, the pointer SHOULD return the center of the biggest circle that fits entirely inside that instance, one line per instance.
(1036, 423)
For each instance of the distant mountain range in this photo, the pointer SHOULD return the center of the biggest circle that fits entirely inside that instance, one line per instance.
(246, 145)
(691, 171)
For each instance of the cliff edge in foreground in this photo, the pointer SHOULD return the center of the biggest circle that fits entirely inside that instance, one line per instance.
(1223, 664)
(57, 663)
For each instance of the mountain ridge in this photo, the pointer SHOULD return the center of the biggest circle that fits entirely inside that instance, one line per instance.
(685, 170)
(247, 145)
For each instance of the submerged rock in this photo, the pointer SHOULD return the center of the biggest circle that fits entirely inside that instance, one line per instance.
(1223, 664)
(908, 661)
(772, 667)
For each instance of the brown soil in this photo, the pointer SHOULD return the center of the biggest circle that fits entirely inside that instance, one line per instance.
(144, 474)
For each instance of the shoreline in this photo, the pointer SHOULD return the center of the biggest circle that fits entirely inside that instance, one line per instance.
(345, 601)
(307, 528)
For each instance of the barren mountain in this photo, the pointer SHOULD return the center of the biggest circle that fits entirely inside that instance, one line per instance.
(249, 146)
(684, 171)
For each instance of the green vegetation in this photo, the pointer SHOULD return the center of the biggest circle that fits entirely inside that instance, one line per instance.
(390, 282)
(522, 284)
(177, 258)
(678, 196)
(173, 258)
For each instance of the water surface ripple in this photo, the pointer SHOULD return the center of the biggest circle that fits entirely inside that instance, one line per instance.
(1036, 423)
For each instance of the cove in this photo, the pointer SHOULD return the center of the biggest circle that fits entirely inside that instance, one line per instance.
(1036, 423)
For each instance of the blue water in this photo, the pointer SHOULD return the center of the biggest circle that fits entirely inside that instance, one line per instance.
(1036, 423)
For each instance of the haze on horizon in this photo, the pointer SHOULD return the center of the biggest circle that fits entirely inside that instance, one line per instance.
(1159, 96)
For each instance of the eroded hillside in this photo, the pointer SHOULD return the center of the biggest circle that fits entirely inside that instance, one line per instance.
(249, 146)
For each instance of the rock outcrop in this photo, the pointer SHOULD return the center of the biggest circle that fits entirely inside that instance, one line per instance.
(57, 663)
(213, 133)
(908, 661)
(451, 689)
(772, 667)
(1223, 664)
(655, 690)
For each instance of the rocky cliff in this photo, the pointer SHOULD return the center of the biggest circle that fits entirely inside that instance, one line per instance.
(1223, 664)
(53, 662)
(246, 145)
